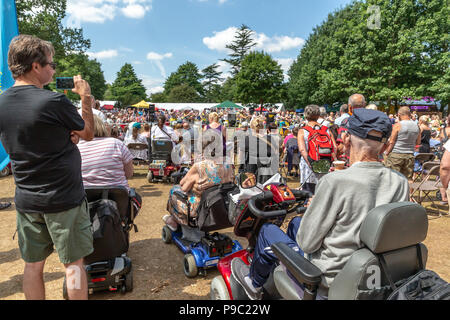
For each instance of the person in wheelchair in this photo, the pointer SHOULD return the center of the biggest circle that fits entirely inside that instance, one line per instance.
(207, 171)
(328, 233)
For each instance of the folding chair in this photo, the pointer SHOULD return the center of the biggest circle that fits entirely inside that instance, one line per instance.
(427, 186)
(283, 165)
(421, 158)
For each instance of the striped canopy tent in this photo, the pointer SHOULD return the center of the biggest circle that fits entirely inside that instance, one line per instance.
(228, 105)
(141, 104)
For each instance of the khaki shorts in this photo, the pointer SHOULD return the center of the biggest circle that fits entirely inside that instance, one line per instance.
(69, 231)
(402, 162)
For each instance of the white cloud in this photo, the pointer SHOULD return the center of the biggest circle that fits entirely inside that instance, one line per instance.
(153, 56)
(155, 90)
(152, 85)
(106, 54)
(285, 65)
(99, 11)
(156, 58)
(135, 11)
(221, 39)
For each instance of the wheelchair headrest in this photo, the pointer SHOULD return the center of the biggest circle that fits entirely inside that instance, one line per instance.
(394, 226)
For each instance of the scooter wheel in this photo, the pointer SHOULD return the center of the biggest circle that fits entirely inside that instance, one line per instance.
(150, 176)
(5, 172)
(189, 266)
(129, 281)
(219, 290)
(64, 290)
(166, 235)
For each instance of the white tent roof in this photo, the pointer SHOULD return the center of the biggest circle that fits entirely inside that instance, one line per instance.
(182, 106)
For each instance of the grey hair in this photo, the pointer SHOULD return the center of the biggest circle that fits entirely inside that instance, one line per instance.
(312, 112)
(369, 147)
(357, 101)
(323, 111)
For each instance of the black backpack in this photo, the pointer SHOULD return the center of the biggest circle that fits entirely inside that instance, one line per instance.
(212, 212)
(424, 285)
(110, 237)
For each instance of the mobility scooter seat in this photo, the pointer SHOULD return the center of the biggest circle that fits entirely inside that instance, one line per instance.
(394, 231)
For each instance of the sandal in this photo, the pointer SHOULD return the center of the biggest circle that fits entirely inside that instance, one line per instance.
(166, 220)
(5, 205)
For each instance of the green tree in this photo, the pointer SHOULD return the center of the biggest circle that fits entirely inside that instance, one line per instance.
(260, 78)
(183, 94)
(187, 74)
(158, 97)
(43, 18)
(243, 42)
(228, 91)
(211, 86)
(405, 57)
(127, 89)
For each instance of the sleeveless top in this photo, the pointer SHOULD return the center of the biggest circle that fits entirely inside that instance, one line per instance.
(425, 141)
(224, 143)
(406, 140)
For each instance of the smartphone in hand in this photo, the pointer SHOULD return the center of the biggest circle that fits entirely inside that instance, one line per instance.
(64, 83)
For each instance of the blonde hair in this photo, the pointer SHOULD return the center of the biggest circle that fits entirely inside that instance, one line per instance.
(257, 123)
(213, 117)
(372, 107)
(100, 129)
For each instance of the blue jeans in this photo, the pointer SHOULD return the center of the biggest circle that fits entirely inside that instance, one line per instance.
(264, 259)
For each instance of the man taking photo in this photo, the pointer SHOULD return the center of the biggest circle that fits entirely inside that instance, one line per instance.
(39, 129)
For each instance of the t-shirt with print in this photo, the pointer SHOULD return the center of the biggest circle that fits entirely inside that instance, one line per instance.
(35, 126)
(103, 161)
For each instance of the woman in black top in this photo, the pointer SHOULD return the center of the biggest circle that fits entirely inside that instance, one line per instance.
(425, 133)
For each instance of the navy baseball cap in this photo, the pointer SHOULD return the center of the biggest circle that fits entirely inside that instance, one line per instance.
(365, 120)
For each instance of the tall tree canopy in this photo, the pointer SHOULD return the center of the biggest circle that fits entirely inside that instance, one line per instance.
(183, 94)
(43, 18)
(211, 80)
(406, 57)
(260, 78)
(242, 44)
(188, 74)
(127, 89)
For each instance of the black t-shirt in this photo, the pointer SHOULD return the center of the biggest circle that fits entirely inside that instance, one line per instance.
(35, 126)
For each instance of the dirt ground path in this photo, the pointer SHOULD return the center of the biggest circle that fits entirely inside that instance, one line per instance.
(158, 272)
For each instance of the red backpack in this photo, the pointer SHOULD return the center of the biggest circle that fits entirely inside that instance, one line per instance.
(320, 145)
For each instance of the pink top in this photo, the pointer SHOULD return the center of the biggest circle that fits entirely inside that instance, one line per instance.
(102, 162)
(287, 138)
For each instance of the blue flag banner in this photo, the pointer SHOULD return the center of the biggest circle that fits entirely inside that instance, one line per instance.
(8, 30)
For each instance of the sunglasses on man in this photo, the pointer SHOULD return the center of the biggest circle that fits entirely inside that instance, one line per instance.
(51, 64)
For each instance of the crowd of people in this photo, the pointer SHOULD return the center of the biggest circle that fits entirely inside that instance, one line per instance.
(57, 150)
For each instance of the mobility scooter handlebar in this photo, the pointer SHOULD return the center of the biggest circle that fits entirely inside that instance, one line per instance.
(268, 196)
(263, 197)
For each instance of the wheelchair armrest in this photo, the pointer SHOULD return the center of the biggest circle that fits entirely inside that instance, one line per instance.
(302, 269)
(181, 195)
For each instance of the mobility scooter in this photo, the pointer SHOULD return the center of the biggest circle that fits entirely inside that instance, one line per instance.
(112, 211)
(271, 206)
(161, 166)
(205, 251)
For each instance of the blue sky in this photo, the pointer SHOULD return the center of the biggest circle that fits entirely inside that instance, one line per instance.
(157, 36)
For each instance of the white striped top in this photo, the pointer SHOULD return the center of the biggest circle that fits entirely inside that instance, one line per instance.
(103, 161)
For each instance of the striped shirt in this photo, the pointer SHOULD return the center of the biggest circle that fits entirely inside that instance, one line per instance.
(103, 161)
